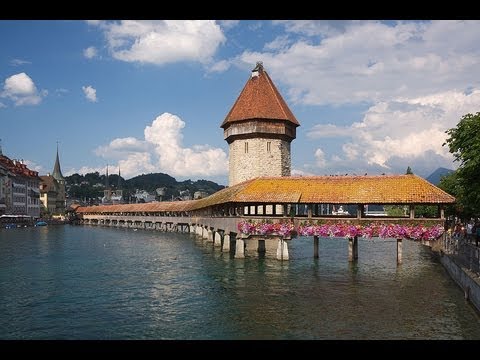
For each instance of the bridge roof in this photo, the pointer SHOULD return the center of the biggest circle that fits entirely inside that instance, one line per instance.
(384, 189)
(260, 99)
(145, 207)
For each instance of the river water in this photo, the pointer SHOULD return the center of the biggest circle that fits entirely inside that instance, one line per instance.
(82, 282)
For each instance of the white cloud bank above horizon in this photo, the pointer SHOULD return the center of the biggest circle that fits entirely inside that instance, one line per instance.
(162, 151)
(21, 89)
(395, 134)
(162, 41)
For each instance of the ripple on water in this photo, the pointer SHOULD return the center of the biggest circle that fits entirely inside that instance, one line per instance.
(65, 282)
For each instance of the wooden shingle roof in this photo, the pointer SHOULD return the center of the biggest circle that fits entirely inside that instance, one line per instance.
(384, 189)
(260, 99)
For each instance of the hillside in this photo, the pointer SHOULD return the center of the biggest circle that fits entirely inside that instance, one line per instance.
(90, 186)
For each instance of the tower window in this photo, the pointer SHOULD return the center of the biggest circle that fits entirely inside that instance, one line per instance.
(269, 146)
(246, 147)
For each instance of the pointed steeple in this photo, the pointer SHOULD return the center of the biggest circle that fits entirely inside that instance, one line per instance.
(57, 172)
(118, 184)
(106, 180)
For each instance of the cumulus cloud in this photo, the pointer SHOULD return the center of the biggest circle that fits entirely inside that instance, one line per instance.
(162, 41)
(90, 52)
(371, 61)
(119, 148)
(19, 62)
(320, 158)
(162, 150)
(395, 134)
(90, 93)
(21, 89)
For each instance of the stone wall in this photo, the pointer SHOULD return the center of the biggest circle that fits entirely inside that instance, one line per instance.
(250, 158)
(467, 280)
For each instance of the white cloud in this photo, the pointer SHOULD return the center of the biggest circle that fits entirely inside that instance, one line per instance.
(320, 158)
(90, 93)
(21, 89)
(85, 170)
(298, 172)
(162, 151)
(121, 147)
(353, 62)
(220, 66)
(396, 134)
(18, 62)
(90, 52)
(163, 41)
(61, 91)
(2, 105)
(34, 166)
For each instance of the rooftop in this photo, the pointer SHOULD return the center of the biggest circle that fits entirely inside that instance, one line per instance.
(259, 99)
(383, 189)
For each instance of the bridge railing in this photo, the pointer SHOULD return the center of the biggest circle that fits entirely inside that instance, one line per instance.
(465, 253)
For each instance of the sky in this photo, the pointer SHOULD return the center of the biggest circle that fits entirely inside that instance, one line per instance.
(149, 96)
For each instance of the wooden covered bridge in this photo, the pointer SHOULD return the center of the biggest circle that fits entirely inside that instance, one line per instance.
(262, 214)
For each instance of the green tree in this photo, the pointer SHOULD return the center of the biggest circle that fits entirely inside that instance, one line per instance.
(409, 171)
(464, 143)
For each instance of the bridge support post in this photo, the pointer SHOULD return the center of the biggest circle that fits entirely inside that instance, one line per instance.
(353, 249)
(226, 242)
(217, 239)
(209, 235)
(282, 250)
(240, 249)
(315, 247)
(399, 251)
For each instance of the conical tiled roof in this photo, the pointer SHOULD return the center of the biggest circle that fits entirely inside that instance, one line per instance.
(260, 99)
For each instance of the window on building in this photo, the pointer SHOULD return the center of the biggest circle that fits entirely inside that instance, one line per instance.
(246, 147)
(269, 146)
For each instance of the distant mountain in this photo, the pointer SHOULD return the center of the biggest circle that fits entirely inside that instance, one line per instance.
(435, 177)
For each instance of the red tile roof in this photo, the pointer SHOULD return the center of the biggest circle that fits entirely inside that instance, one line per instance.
(260, 99)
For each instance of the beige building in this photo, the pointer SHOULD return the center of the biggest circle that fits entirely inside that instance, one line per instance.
(259, 129)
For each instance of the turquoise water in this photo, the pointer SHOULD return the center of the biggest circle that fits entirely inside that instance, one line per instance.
(81, 282)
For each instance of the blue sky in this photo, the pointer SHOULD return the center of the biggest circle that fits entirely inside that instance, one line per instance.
(149, 96)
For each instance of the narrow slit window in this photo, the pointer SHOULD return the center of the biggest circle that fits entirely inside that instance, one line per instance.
(246, 147)
(269, 146)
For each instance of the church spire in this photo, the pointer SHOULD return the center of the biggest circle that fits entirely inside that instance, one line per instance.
(57, 172)
(118, 184)
(107, 187)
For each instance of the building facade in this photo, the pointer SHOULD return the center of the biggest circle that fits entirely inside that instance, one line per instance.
(19, 188)
(259, 129)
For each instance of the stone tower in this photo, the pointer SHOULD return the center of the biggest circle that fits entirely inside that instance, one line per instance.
(57, 175)
(259, 129)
